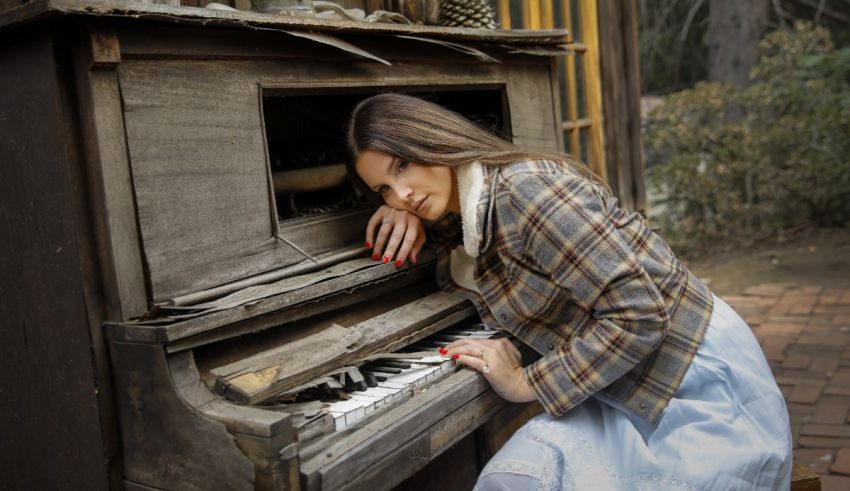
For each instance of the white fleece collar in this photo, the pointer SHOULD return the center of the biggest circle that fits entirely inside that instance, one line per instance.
(470, 185)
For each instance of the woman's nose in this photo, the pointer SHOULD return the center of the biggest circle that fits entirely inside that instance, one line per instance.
(404, 193)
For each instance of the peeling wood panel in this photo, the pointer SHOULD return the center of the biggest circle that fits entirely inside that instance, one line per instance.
(195, 136)
(265, 375)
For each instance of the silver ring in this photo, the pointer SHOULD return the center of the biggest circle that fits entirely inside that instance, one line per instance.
(385, 221)
(485, 368)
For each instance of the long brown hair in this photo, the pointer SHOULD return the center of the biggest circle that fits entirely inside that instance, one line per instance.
(416, 130)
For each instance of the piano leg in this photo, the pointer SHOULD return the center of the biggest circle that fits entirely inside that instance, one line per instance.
(178, 435)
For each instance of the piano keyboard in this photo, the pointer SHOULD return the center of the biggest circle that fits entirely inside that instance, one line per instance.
(386, 382)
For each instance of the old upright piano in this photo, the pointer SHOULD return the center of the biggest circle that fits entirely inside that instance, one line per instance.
(188, 303)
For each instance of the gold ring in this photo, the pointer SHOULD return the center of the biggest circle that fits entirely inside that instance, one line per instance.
(480, 355)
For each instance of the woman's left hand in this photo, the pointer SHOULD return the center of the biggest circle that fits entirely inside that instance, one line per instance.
(503, 361)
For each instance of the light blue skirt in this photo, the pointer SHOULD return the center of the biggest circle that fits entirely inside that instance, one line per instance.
(726, 428)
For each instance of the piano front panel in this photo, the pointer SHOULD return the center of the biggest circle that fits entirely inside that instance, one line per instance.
(201, 176)
(205, 136)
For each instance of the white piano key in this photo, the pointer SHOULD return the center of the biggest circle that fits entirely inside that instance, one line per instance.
(353, 410)
(397, 389)
(412, 375)
(339, 420)
(423, 371)
(368, 403)
(380, 394)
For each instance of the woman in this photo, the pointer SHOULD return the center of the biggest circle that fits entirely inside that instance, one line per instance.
(648, 380)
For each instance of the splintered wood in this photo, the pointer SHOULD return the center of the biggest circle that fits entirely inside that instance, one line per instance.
(267, 375)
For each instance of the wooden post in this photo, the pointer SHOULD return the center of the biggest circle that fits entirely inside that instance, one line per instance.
(570, 87)
(593, 95)
(620, 77)
(505, 14)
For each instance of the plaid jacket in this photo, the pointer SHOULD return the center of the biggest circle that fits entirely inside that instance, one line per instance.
(584, 283)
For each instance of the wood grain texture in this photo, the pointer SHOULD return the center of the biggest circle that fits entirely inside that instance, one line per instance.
(165, 440)
(266, 375)
(195, 136)
(52, 433)
(252, 20)
(312, 300)
(620, 79)
(195, 133)
(104, 147)
(593, 92)
(804, 479)
(532, 107)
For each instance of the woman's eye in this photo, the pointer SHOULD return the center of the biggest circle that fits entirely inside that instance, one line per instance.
(402, 164)
(383, 189)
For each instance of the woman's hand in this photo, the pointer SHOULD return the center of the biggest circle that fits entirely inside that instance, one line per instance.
(400, 235)
(503, 361)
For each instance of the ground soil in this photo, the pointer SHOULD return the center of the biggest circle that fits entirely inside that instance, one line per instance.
(813, 256)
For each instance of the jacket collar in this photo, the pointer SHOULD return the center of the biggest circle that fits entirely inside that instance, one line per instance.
(476, 185)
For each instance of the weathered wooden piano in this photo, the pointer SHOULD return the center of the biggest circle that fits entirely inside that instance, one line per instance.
(194, 306)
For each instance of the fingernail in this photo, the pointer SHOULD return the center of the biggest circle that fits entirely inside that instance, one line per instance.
(368, 245)
(413, 259)
(397, 263)
(443, 351)
(455, 356)
(386, 259)
(374, 257)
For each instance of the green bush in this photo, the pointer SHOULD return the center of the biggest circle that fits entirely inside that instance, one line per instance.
(734, 165)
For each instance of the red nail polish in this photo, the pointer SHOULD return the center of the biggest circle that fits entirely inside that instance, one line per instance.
(455, 356)
(386, 260)
(374, 257)
(397, 263)
(368, 245)
(443, 351)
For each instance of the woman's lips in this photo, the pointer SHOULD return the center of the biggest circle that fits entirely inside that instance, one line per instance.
(420, 205)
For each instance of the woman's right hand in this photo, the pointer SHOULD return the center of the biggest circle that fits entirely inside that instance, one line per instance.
(401, 237)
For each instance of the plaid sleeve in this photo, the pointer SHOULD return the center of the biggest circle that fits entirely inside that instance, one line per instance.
(559, 225)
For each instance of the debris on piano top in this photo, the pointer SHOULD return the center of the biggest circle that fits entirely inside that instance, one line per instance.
(258, 21)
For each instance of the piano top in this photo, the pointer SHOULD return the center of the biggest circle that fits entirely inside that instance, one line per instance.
(40, 9)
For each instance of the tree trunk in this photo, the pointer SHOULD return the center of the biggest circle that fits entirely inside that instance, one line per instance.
(734, 29)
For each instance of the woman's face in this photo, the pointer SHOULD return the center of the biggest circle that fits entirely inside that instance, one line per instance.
(425, 190)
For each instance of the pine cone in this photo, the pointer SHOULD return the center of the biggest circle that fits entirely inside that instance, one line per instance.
(467, 13)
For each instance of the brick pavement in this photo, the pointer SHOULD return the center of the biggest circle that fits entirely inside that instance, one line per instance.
(804, 331)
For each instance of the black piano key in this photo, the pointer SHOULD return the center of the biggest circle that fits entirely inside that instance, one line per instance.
(381, 369)
(394, 364)
(371, 379)
(426, 345)
(354, 380)
(380, 378)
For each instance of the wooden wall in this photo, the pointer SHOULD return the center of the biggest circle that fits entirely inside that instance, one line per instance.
(620, 69)
(51, 424)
